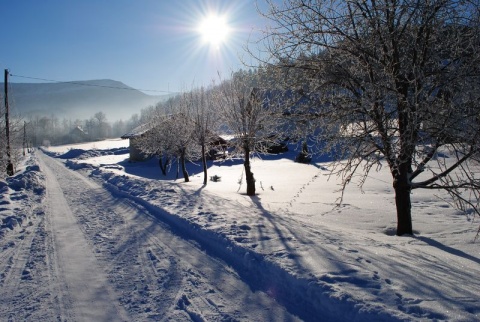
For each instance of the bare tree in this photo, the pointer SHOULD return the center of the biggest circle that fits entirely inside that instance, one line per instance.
(387, 80)
(183, 129)
(251, 115)
(170, 134)
(102, 128)
(205, 119)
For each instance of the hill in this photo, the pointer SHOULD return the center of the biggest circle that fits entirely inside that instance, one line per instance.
(79, 99)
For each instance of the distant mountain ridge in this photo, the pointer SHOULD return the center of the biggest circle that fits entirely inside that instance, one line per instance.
(78, 99)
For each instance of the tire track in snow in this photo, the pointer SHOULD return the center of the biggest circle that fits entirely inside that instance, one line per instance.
(84, 293)
(147, 287)
(15, 262)
(26, 280)
(156, 274)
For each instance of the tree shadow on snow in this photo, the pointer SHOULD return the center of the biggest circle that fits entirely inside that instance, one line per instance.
(274, 221)
(448, 249)
(150, 169)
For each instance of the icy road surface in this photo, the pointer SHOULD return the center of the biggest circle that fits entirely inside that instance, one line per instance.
(98, 257)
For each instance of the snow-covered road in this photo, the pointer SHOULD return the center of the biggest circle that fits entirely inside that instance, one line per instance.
(83, 287)
(98, 257)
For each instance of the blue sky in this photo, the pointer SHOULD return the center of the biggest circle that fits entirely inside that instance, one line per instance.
(146, 44)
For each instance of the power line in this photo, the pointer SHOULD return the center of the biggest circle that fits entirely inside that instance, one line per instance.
(91, 85)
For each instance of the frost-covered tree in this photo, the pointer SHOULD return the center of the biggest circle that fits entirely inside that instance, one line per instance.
(183, 129)
(393, 81)
(119, 128)
(170, 134)
(205, 120)
(158, 140)
(100, 128)
(251, 113)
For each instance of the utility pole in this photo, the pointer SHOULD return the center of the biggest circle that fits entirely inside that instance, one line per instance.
(7, 128)
(24, 136)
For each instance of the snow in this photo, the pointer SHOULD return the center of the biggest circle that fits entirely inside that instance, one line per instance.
(85, 281)
(98, 145)
(291, 241)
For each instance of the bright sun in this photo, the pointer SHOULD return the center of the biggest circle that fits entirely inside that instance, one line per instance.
(214, 30)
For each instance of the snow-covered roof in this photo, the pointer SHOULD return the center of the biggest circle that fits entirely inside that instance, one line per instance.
(138, 131)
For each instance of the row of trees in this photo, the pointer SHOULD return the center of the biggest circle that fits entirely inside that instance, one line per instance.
(45, 130)
(392, 82)
(186, 126)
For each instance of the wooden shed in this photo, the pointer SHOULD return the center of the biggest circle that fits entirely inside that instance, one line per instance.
(134, 137)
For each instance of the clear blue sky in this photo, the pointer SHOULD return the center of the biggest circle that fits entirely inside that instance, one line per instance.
(146, 44)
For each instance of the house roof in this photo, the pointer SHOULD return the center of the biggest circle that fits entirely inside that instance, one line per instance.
(138, 131)
(146, 127)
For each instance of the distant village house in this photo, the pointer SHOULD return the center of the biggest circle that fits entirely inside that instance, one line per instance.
(217, 145)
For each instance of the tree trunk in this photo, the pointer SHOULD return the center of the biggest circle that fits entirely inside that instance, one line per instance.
(164, 169)
(403, 188)
(249, 174)
(164, 163)
(184, 168)
(204, 162)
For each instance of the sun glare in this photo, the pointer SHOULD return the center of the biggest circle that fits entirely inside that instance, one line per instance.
(214, 30)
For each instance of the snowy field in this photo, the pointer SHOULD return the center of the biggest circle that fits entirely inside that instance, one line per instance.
(291, 242)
